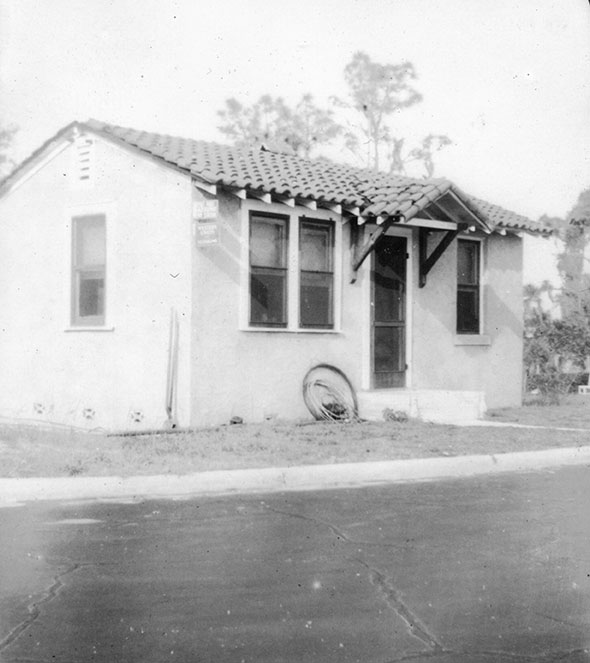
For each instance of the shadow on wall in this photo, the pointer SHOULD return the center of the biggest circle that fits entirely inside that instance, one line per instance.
(497, 309)
(225, 253)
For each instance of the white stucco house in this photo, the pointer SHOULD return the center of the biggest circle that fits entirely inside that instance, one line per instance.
(148, 280)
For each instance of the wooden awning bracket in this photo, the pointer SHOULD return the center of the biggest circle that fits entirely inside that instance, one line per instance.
(360, 254)
(427, 262)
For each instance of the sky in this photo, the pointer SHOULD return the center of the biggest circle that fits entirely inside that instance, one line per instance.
(508, 81)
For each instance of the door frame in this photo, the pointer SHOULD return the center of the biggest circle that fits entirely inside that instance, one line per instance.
(367, 328)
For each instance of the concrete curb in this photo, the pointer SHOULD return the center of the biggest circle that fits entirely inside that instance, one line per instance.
(271, 480)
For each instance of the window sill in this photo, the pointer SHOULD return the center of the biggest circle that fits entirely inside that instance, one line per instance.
(89, 329)
(284, 330)
(473, 339)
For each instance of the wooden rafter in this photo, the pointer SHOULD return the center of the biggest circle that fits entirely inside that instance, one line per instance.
(205, 186)
(259, 195)
(427, 262)
(285, 200)
(359, 255)
(333, 207)
(307, 202)
(239, 193)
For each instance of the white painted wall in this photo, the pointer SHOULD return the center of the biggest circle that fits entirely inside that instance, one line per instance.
(53, 372)
(492, 363)
(258, 374)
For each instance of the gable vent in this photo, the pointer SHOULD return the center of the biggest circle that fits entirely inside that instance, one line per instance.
(83, 166)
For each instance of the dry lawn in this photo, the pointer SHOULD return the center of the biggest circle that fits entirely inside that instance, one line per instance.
(572, 411)
(29, 452)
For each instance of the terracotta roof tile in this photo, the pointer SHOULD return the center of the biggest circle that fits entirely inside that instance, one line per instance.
(506, 219)
(263, 171)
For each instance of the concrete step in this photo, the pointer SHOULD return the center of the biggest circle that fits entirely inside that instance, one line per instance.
(439, 406)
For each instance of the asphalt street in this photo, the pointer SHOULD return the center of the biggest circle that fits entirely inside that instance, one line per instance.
(490, 568)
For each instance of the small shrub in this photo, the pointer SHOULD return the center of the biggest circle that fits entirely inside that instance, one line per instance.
(395, 415)
(74, 470)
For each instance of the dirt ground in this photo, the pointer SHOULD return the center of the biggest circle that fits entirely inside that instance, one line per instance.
(26, 451)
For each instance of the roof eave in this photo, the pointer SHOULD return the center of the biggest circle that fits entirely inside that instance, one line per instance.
(37, 159)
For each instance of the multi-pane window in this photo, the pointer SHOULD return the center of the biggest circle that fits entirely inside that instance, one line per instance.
(88, 270)
(268, 271)
(316, 274)
(468, 287)
(291, 272)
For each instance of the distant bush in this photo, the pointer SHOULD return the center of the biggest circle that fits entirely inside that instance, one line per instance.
(550, 348)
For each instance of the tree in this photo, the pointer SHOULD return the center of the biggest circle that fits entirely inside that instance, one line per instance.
(533, 302)
(557, 350)
(377, 92)
(574, 232)
(6, 138)
(425, 153)
(555, 353)
(271, 122)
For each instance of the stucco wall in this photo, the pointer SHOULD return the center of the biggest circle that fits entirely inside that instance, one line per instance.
(53, 372)
(440, 360)
(257, 374)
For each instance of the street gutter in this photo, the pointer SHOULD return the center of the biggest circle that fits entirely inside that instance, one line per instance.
(271, 480)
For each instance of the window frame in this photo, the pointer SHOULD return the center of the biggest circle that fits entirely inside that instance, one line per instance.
(76, 271)
(295, 216)
(284, 219)
(330, 226)
(468, 287)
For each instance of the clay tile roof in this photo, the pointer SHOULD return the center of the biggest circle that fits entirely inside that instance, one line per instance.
(503, 218)
(265, 171)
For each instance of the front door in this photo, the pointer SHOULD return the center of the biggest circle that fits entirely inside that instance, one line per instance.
(389, 313)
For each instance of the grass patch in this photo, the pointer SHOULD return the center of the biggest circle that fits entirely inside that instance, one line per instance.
(29, 452)
(571, 411)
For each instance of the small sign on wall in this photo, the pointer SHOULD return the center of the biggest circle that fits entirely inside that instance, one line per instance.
(205, 210)
(207, 234)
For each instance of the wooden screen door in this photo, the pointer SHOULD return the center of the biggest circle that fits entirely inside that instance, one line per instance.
(389, 313)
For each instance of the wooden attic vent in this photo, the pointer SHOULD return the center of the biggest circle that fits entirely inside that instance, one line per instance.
(83, 166)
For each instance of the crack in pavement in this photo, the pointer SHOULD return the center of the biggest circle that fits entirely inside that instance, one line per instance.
(548, 657)
(453, 652)
(415, 627)
(34, 608)
(41, 660)
(561, 655)
(337, 532)
(500, 652)
(565, 622)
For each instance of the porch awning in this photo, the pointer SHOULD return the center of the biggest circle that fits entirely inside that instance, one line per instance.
(438, 201)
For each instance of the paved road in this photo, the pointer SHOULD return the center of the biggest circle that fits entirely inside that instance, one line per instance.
(463, 571)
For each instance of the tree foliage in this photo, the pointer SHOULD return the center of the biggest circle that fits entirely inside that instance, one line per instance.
(271, 122)
(376, 93)
(7, 135)
(555, 350)
(425, 153)
(572, 261)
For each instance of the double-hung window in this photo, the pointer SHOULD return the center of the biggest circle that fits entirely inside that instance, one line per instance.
(291, 272)
(468, 287)
(268, 271)
(316, 274)
(88, 270)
